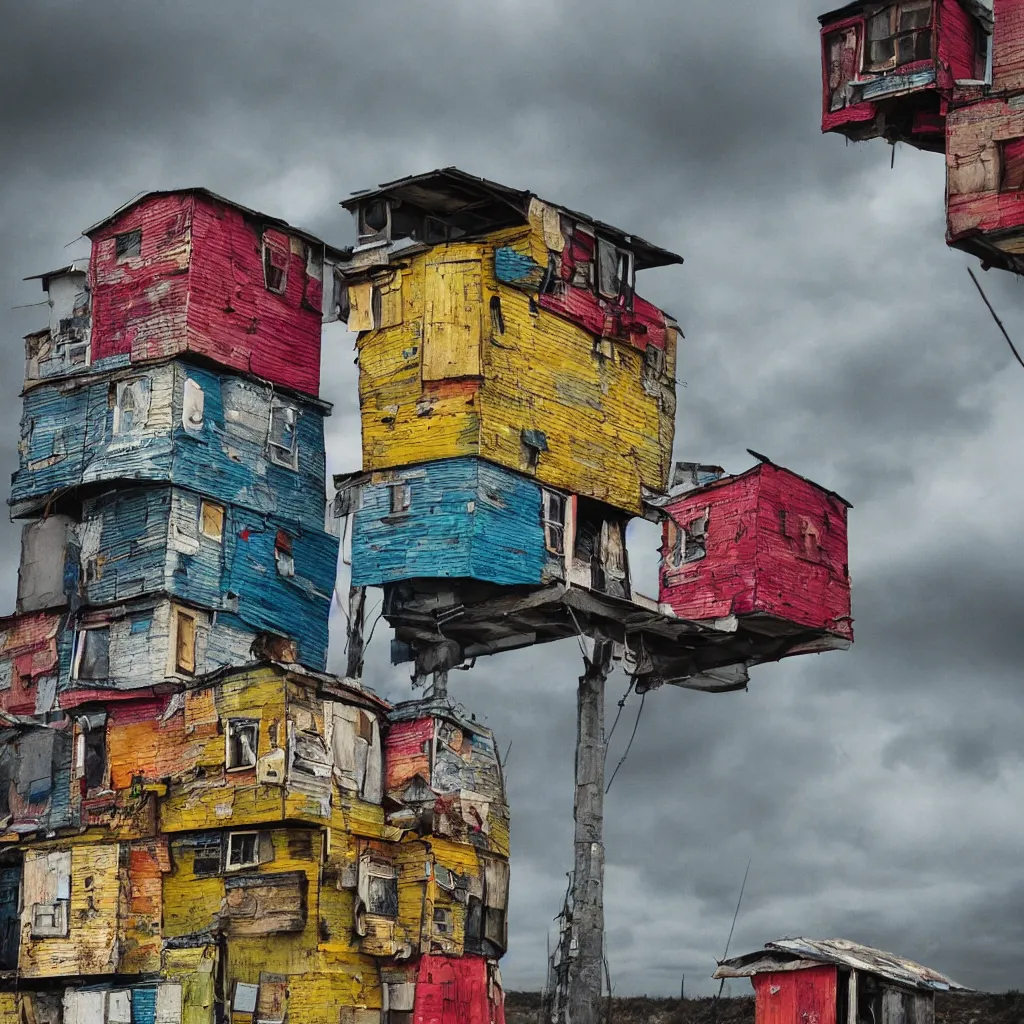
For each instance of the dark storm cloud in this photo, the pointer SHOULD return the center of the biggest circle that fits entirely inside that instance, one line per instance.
(827, 326)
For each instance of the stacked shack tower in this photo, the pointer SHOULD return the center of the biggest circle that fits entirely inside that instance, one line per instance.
(518, 403)
(196, 823)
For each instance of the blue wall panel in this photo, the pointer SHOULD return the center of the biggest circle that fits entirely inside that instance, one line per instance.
(466, 519)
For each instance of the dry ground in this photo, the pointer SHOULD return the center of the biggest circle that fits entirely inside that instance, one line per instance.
(1008, 1008)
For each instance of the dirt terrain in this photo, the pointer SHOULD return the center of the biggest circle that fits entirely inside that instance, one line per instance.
(979, 1008)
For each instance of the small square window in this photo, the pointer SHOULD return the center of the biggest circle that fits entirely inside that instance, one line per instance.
(614, 270)
(283, 436)
(211, 521)
(129, 244)
(206, 857)
(241, 740)
(92, 659)
(243, 850)
(443, 923)
(374, 221)
(401, 498)
(275, 267)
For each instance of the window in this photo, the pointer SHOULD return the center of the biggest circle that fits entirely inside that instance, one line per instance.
(614, 270)
(898, 35)
(378, 886)
(283, 554)
(401, 498)
(497, 317)
(374, 221)
(553, 518)
(243, 850)
(129, 244)
(92, 658)
(443, 923)
(206, 856)
(185, 643)
(241, 742)
(131, 406)
(245, 997)
(275, 265)
(91, 762)
(50, 920)
(283, 439)
(531, 444)
(1011, 159)
(211, 520)
(695, 535)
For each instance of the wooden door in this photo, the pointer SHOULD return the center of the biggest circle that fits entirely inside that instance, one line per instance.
(453, 300)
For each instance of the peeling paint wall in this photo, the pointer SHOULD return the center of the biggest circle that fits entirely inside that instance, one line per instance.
(197, 285)
(600, 411)
(767, 543)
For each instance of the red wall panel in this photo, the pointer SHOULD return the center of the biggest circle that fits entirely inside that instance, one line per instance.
(796, 997)
(456, 991)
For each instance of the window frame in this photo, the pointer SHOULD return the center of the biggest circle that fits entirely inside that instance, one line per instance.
(80, 649)
(554, 527)
(233, 728)
(184, 615)
(202, 850)
(399, 498)
(220, 513)
(896, 33)
(232, 836)
(59, 929)
(133, 248)
(279, 455)
(269, 250)
(625, 270)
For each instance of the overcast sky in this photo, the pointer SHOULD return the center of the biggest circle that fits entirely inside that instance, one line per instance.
(877, 791)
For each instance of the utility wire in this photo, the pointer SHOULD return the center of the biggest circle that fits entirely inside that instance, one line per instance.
(999, 323)
(629, 745)
(728, 941)
(618, 714)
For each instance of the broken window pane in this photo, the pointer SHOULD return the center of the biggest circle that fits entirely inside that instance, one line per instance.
(695, 533)
(211, 520)
(206, 856)
(553, 518)
(242, 741)
(382, 892)
(93, 654)
(497, 318)
(128, 244)
(243, 850)
(915, 16)
(283, 438)
(373, 220)
(275, 266)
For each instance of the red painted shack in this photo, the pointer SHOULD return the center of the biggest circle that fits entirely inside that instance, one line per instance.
(891, 70)
(458, 991)
(767, 546)
(835, 981)
(190, 272)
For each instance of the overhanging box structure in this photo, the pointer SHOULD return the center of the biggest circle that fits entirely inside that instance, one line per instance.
(518, 403)
(196, 823)
(945, 76)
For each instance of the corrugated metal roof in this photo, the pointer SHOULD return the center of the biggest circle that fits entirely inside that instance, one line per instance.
(78, 267)
(800, 954)
(448, 191)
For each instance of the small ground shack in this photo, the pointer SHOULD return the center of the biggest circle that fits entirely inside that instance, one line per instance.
(834, 981)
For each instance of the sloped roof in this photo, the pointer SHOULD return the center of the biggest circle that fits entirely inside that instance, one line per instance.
(481, 205)
(264, 218)
(800, 954)
(978, 10)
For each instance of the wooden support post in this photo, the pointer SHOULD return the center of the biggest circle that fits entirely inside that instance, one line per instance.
(586, 966)
(356, 625)
(439, 688)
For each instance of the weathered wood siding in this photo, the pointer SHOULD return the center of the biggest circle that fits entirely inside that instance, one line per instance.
(466, 519)
(775, 545)
(605, 432)
(198, 286)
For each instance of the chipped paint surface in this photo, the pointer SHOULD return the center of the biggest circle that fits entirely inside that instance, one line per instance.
(196, 284)
(195, 824)
(766, 545)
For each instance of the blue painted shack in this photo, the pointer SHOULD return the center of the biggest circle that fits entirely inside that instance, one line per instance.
(237, 440)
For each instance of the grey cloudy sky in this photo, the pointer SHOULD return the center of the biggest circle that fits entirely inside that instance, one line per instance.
(877, 791)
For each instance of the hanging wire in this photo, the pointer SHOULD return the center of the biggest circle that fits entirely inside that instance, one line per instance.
(999, 323)
(618, 714)
(629, 745)
(579, 634)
